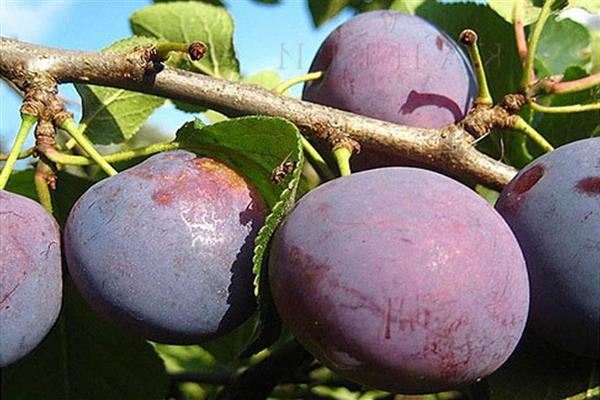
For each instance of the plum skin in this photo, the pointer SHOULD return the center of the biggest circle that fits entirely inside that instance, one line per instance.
(401, 279)
(553, 206)
(164, 249)
(394, 67)
(30, 275)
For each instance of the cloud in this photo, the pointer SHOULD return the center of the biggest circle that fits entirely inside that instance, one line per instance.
(30, 20)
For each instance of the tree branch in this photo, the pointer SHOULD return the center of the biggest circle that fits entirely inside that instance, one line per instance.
(451, 149)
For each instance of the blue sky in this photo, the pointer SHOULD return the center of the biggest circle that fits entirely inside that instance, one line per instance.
(262, 31)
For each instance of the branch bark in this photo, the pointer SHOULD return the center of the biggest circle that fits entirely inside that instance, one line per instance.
(451, 149)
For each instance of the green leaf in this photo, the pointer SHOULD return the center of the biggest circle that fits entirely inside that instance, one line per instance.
(185, 22)
(213, 2)
(538, 371)
(496, 40)
(592, 6)
(563, 44)
(21, 182)
(406, 6)
(505, 8)
(255, 146)
(115, 115)
(86, 358)
(227, 349)
(323, 10)
(268, 79)
(563, 128)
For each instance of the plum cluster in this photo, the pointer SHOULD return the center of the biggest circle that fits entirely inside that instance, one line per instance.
(405, 280)
(163, 249)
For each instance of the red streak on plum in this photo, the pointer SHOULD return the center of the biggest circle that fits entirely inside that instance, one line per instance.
(439, 42)
(589, 186)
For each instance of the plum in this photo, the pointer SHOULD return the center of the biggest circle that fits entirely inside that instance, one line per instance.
(401, 279)
(164, 249)
(553, 206)
(30, 275)
(394, 67)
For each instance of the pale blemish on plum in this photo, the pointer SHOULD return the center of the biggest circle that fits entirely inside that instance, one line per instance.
(589, 186)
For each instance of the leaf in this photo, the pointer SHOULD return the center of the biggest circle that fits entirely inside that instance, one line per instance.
(227, 349)
(185, 22)
(538, 371)
(563, 128)
(21, 182)
(255, 146)
(592, 6)
(324, 10)
(86, 358)
(213, 2)
(505, 8)
(563, 44)
(115, 115)
(268, 79)
(406, 6)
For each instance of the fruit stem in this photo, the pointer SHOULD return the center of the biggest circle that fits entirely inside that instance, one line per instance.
(528, 73)
(317, 159)
(469, 38)
(40, 180)
(194, 50)
(69, 125)
(23, 154)
(285, 85)
(519, 27)
(574, 108)
(312, 177)
(342, 156)
(521, 125)
(69, 159)
(27, 121)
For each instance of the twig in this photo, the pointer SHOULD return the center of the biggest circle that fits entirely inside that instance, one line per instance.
(519, 27)
(451, 149)
(564, 109)
(551, 85)
(528, 72)
(23, 154)
(259, 380)
(44, 180)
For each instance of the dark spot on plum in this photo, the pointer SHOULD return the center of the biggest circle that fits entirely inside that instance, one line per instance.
(416, 100)
(589, 186)
(521, 185)
(439, 42)
(526, 181)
